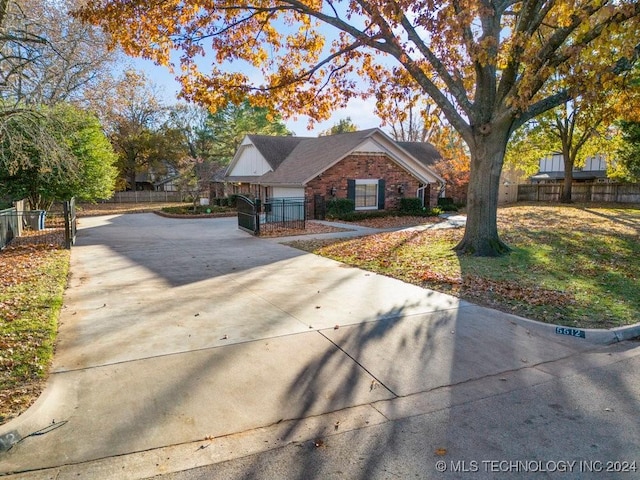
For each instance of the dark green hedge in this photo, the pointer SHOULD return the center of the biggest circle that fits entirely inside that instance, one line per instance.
(340, 206)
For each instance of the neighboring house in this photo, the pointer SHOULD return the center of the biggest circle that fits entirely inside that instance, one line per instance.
(217, 182)
(159, 181)
(167, 184)
(551, 170)
(366, 166)
(144, 182)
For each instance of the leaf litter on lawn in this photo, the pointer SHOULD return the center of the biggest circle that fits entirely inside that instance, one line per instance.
(572, 265)
(32, 280)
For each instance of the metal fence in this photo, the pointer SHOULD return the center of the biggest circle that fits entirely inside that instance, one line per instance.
(8, 226)
(274, 214)
(56, 226)
(70, 222)
(283, 213)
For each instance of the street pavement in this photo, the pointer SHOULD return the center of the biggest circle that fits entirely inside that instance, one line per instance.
(190, 349)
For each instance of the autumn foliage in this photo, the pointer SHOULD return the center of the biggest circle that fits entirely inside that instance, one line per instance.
(484, 64)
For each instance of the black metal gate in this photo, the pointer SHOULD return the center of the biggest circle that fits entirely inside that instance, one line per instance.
(275, 214)
(248, 214)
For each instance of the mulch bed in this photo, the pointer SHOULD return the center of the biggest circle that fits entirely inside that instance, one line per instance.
(195, 215)
(311, 228)
(397, 222)
(381, 223)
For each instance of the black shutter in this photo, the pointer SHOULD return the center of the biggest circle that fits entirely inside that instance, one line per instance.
(381, 194)
(351, 189)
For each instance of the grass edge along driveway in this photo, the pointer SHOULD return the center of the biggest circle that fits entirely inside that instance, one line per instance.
(574, 265)
(32, 281)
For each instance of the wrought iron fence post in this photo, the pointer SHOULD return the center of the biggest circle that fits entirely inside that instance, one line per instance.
(70, 222)
(257, 214)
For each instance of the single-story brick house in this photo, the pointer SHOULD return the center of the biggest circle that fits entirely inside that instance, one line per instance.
(367, 166)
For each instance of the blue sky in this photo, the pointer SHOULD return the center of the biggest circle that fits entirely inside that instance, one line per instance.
(360, 112)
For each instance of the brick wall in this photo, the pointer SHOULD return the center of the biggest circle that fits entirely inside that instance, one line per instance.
(369, 166)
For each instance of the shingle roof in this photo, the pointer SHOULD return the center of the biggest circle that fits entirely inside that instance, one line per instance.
(275, 149)
(313, 155)
(422, 151)
(577, 175)
(218, 174)
(295, 160)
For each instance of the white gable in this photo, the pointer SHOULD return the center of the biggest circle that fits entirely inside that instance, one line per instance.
(248, 161)
(555, 163)
(596, 163)
(369, 147)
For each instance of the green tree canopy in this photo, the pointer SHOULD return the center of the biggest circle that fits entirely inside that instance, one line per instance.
(627, 166)
(229, 125)
(84, 165)
(344, 125)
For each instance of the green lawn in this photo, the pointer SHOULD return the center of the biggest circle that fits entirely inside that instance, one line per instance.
(33, 278)
(571, 265)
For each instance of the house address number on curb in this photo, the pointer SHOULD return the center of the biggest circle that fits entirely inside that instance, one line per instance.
(572, 332)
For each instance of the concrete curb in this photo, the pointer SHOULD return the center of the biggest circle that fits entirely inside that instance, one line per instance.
(596, 336)
(193, 217)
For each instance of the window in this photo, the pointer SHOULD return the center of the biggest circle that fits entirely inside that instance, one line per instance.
(368, 194)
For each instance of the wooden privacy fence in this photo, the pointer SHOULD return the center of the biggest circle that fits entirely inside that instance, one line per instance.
(145, 196)
(581, 192)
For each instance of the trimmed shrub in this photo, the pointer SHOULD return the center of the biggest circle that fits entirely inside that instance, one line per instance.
(449, 207)
(411, 205)
(359, 215)
(337, 207)
(363, 215)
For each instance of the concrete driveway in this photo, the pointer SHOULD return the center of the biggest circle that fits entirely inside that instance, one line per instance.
(179, 331)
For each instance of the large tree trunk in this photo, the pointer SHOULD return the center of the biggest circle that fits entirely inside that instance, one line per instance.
(565, 195)
(481, 232)
(131, 176)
